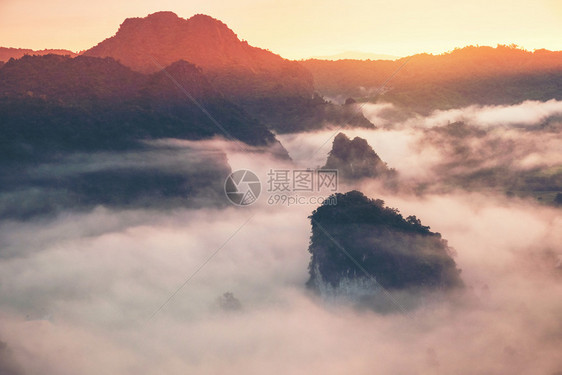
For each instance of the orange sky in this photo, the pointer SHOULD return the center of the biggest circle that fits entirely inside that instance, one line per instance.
(301, 28)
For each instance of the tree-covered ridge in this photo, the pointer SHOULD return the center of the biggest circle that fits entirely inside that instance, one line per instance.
(398, 252)
(53, 104)
(69, 81)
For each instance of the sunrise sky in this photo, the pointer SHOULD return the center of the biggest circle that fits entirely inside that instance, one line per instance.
(300, 28)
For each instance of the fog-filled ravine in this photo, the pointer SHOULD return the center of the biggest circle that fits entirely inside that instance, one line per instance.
(104, 271)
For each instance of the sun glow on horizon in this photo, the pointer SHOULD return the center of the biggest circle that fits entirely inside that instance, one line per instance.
(299, 30)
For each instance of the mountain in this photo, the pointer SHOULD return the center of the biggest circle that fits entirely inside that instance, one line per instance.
(80, 132)
(55, 104)
(355, 159)
(276, 91)
(358, 246)
(16, 53)
(233, 66)
(424, 82)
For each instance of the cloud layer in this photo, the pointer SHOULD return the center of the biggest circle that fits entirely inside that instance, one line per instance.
(78, 290)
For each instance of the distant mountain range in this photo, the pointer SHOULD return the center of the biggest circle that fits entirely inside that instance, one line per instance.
(424, 82)
(356, 55)
(125, 82)
(281, 94)
(16, 53)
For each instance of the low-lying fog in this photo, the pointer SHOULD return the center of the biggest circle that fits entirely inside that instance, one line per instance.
(89, 292)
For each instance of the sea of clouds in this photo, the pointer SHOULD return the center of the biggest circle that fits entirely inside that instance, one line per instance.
(136, 291)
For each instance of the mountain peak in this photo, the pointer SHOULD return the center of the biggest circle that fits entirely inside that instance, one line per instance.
(157, 19)
(168, 16)
(234, 67)
(355, 159)
(200, 17)
(168, 19)
(165, 37)
(163, 15)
